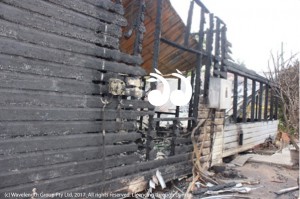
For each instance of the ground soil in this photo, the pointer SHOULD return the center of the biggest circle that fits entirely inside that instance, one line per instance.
(272, 178)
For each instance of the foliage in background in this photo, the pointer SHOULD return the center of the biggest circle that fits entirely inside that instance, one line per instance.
(284, 79)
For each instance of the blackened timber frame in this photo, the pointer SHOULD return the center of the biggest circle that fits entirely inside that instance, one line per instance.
(217, 48)
(235, 97)
(266, 103)
(223, 55)
(140, 29)
(189, 23)
(199, 66)
(260, 101)
(245, 101)
(209, 43)
(253, 100)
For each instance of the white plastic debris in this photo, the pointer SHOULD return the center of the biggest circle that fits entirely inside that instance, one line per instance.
(154, 179)
(239, 185)
(151, 184)
(160, 179)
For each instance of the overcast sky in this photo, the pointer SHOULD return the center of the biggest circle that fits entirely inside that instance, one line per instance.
(255, 27)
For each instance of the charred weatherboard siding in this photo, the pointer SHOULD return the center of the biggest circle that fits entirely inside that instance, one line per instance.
(60, 129)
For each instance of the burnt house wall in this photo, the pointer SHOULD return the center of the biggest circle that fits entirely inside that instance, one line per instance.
(60, 129)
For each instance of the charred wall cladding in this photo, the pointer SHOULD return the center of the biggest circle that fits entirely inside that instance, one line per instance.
(60, 130)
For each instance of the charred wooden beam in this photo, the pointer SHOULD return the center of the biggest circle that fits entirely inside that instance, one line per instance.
(223, 51)
(10, 146)
(253, 100)
(204, 8)
(256, 106)
(235, 97)
(174, 44)
(188, 26)
(157, 34)
(108, 5)
(199, 66)
(221, 21)
(175, 123)
(209, 43)
(149, 137)
(217, 47)
(192, 98)
(140, 28)
(260, 101)
(245, 101)
(243, 71)
(266, 103)
(174, 119)
(91, 10)
(178, 107)
(50, 172)
(49, 128)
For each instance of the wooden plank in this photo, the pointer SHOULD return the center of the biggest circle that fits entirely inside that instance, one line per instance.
(28, 98)
(30, 160)
(66, 114)
(62, 170)
(91, 177)
(33, 128)
(134, 183)
(249, 133)
(32, 82)
(243, 125)
(14, 47)
(233, 141)
(44, 23)
(247, 126)
(257, 138)
(169, 172)
(34, 144)
(45, 68)
(108, 5)
(90, 10)
(22, 33)
(249, 130)
(68, 16)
